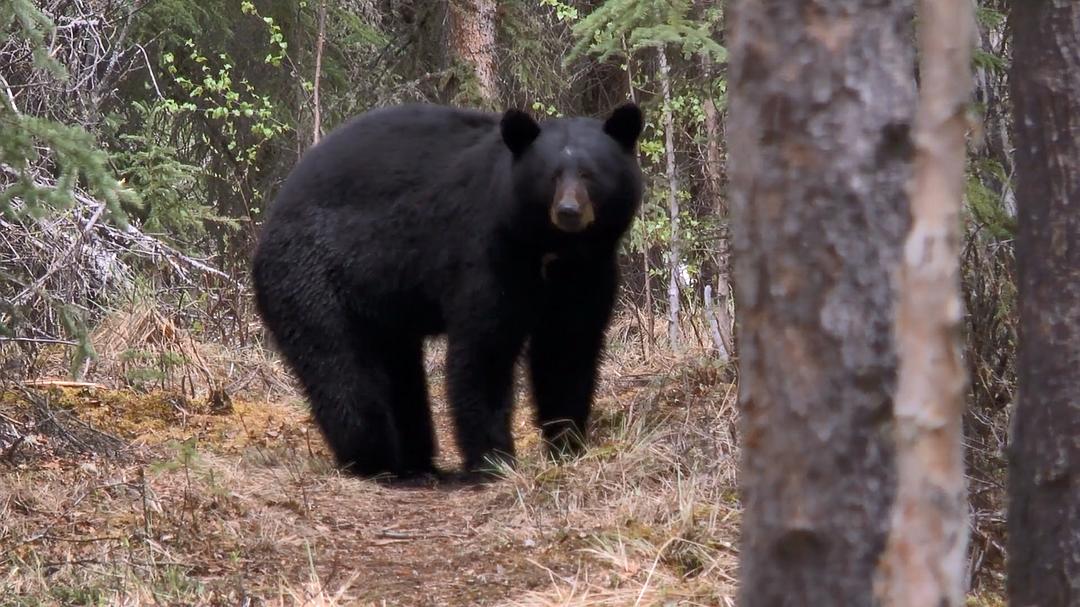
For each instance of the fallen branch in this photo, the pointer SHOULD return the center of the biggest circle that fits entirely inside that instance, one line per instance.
(61, 383)
(41, 340)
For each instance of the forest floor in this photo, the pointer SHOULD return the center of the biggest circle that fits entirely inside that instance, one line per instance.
(120, 497)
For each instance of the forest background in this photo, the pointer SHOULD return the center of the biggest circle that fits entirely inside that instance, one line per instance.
(142, 140)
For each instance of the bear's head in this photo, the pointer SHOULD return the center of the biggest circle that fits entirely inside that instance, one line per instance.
(580, 174)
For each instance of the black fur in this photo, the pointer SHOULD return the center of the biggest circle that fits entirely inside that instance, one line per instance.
(418, 220)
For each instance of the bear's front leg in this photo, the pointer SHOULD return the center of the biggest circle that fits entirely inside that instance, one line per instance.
(565, 349)
(480, 378)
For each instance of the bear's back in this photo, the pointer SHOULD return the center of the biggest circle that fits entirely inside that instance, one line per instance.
(385, 154)
(386, 204)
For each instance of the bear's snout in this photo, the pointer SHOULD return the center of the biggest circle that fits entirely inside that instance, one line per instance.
(568, 216)
(572, 211)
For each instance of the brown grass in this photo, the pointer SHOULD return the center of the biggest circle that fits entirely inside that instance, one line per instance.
(142, 348)
(121, 494)
(654, 500)
(147, 495)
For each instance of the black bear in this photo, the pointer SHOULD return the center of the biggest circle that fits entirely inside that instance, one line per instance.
(421, 220)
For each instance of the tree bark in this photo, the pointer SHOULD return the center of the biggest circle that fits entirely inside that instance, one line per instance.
(714, 187)
(472, 42)
(1044, 455)
(320, 39)
(649, 330)
(924, 563)
(822, 98)
(714, 163)
(716, 317)
(674, 254)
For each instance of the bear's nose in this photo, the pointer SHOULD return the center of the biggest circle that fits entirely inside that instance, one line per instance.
(568, 216)
(569, 211)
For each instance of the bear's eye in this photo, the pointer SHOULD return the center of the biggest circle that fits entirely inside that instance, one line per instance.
(584, 174)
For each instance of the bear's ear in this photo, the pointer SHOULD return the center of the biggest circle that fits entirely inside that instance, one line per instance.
(624, 125)
(519, 130)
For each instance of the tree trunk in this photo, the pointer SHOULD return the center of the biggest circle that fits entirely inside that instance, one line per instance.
(924, 563)
(822, 98)
(472, 42)
(320, 39)
(1044, 455)
(674, 254)
(714, 163)
(714, 187)
(714, 315)
(649, 330)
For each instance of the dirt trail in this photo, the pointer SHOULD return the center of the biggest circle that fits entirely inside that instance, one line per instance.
(200, 505)
(248, 507)
(109, 497)
(425, 543)
(429, 547)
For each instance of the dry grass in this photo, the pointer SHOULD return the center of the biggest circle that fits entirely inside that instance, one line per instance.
(653, 499)
(152, 496)
(143, 348)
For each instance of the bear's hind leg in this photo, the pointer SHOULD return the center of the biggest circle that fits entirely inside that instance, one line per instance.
(348, 387)
(355, 419)
(409, 406)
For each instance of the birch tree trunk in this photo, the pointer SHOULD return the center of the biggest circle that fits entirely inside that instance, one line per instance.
(925, 560)
(320, 40)
(674, 253)
(822, 99)
(1044, 455)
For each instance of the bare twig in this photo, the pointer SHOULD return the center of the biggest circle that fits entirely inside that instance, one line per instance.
(150, 70)
(41, 340)
(62, 259)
